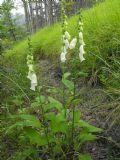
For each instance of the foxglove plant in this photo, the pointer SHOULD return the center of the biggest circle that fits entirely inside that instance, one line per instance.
(31, 72)
(65, 35)
(81, 40)
(58, 131)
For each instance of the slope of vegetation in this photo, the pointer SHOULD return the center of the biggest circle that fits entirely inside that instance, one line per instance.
(102, 65)
(102, 24)
(101, 30)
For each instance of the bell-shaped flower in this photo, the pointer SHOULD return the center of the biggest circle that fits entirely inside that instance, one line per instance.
(73, 43)
(33, 79)
(81, 57)
(67, 35)
(81, 53)
(63, 56)
(66, 42)
(81, 38)
(29, 76)
(33, 85)
(82, 49)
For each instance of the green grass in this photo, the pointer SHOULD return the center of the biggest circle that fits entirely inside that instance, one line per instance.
(101, 34)
(97, 22)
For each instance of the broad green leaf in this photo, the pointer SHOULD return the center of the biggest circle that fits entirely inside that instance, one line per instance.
(66, 75)
(53, 103)
(76, 101)
(50, 116)
(40, 99)
(24, 121)
(17, 124)
(89, 128)
(58, 124)
(54, 90)
(59, 127)
(77, 115)
(68, 84)
(69, 101)
(85, 157)
(84, 137)
(30, 120)
(35, 137)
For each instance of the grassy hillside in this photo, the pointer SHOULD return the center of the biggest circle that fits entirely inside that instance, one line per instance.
(101, 34)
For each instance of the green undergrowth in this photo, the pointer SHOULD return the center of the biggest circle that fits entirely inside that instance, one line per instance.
(101, 35)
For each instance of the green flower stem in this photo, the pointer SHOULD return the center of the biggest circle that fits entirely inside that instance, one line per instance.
(63, 92)
(73, 120)
(46, 133)
(63, 26)
(44, 125)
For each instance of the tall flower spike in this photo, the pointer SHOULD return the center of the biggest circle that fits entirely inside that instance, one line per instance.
(81, 40)
(65, 35)
(31, 73)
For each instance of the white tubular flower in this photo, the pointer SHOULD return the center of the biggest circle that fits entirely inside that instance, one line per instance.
(81, 41)
(29, 76)
(33, 86)
(33, 81)
(82, 49)
(81, 57)
(33, 78)
(81, 53)
(81, 38)
(31, 73)
(63, 56)
(66, 43)
(73, 43)
(67, 35)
